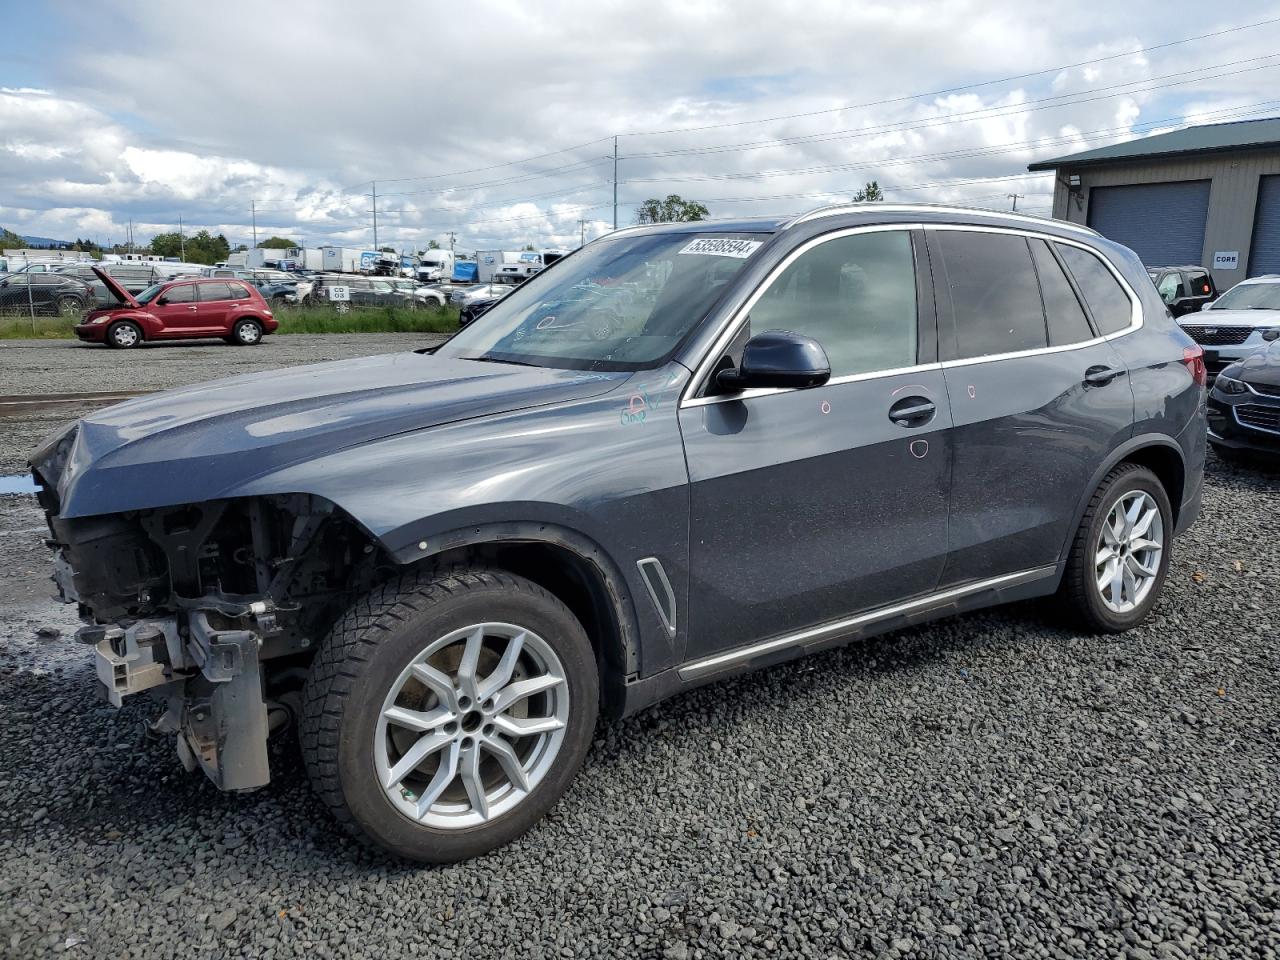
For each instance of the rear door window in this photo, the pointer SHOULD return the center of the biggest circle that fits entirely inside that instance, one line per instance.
(211, 292)
(1062, 311)
(995, 299)
(1112, 311)
(1200, 283)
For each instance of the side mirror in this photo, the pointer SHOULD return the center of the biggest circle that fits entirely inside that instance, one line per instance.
(1271, 335)
(162, 301)
(778, 358)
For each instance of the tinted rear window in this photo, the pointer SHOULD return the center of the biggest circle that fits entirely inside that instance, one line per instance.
(215, 291)
(1063, 313)
(995, 298)
(1107, 301)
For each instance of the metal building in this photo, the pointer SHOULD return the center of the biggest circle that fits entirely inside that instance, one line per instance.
(1207, 195)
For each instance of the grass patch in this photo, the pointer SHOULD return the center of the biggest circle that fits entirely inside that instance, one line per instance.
(18, 327)
(368, 320)
(292, 320)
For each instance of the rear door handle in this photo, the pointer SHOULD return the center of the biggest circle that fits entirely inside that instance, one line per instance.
(912, 411)
(1100, 376)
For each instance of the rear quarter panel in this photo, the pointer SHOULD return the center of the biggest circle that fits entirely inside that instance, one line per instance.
(1167, 400)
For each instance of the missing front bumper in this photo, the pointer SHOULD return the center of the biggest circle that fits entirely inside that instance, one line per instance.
(212, 682)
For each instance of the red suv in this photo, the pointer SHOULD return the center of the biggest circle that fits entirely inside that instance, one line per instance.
(179, 310)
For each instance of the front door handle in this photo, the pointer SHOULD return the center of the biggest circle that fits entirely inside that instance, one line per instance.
(912, 411)
(1100, 375)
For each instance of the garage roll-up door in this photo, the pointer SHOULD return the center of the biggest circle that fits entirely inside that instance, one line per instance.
(1264, 252)
(1163, 223)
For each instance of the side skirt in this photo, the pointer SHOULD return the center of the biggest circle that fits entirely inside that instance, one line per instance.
(1023, 585)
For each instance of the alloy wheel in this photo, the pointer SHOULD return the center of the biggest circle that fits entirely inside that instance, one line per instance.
(471, 725)
(1127, 555)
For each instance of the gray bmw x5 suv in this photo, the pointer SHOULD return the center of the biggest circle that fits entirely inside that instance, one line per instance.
(439, 565)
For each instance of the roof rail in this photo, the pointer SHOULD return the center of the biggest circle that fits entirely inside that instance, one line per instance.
(839, 208)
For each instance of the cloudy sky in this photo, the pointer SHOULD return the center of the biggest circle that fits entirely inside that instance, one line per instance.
(493, 120)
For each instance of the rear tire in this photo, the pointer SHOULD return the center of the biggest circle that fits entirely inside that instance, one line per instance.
(246, 333)
(1120, 555)
(123, 335)
(70, 307)
(479, 781)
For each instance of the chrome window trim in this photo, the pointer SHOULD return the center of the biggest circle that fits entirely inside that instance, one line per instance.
(739, 317)
(731, 658)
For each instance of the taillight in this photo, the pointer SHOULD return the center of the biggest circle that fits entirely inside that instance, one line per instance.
(1193, 360)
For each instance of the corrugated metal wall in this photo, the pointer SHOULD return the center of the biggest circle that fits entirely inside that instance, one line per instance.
(1264, 254)
(1163, 223)
(1232, 200)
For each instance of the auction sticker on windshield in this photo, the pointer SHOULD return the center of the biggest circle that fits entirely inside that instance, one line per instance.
(741, 249)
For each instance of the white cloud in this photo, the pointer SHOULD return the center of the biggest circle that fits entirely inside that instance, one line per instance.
(155, 110)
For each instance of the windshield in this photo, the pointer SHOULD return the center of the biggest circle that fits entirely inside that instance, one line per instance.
(620, 304)
(1250, 296)
(149, 294)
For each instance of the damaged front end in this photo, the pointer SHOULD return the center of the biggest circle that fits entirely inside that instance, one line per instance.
(212, 608)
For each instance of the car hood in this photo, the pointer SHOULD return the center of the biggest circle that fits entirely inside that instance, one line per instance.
(204, 442)
(1232, 318)
(119, 292)
(1262, 368)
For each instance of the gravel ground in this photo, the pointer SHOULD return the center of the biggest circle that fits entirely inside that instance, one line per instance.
(993, 785)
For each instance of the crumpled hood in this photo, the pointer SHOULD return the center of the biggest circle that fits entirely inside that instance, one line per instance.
(1232, 318)
(1262, 367)
(203, 442)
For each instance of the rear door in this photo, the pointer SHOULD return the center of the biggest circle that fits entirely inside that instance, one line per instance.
(177, 311)
(215, 305)
(1038, 398)
(811, 505)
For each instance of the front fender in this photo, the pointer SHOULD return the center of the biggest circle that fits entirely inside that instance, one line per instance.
(607, 472)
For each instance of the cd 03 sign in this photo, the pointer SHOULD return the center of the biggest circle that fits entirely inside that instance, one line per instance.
(340, 294)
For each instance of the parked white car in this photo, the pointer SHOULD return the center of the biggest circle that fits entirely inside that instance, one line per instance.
(1231, 327)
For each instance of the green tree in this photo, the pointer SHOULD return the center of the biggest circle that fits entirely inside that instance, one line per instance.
(869, 193)
(10, 240)
(433, 244)
(674, 209)
(529, 246)
(200, 247)
(277, 243)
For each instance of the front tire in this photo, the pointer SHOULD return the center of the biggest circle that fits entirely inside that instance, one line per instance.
(445, 714)
(1120, 555)
(124, 335)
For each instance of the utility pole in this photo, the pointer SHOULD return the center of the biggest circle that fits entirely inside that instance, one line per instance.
(452, 237)
(582, 233)
(253, 209)
(374, 185)
(131, 235)
(182, 241)
(1015, 197)
(615, 183)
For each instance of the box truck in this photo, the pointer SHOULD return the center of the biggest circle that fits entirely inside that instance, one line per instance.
(348, 260)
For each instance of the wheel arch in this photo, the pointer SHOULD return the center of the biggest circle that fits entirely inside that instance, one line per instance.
(1158, 453)
(569, 564)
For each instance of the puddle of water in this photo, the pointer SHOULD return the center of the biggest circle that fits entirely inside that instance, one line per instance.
(18, 483)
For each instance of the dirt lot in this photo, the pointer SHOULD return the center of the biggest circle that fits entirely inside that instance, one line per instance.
(995, 785)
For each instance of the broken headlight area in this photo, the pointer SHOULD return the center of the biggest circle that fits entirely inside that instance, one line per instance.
(214, 609)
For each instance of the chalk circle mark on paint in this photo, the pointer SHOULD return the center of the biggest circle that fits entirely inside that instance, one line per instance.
(919, 449)
(825, 406)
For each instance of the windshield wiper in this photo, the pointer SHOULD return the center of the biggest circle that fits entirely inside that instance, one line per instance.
(517, 363)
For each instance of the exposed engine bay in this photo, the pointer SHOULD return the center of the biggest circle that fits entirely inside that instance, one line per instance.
(213, 608)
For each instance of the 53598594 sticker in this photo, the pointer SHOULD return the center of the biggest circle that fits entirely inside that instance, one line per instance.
(723, 247)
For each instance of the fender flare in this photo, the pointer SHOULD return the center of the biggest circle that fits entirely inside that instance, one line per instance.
(1121, 453)
(624, 649)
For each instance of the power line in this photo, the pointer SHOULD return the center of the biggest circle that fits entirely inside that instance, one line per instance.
(957, 89)
(1029, 106)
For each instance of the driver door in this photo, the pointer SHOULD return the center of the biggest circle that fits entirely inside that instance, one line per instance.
(177, 310)
(812, 505)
